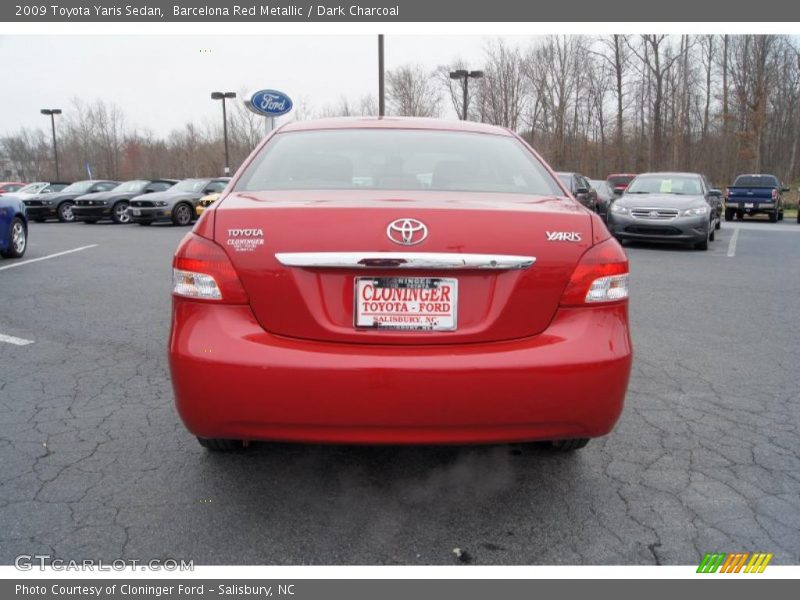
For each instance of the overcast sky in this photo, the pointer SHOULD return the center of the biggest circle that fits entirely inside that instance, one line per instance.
(161, 82)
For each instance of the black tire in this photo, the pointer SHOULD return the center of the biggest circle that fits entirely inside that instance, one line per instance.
(773, 217)
(569, 445)
(729, 214)
(701, 245)
(145, 223)
(18, 239)
(798, 214)
(711, 235)
(119, 213)
(740, 215)
(64, 212)
(217, 445)
(718, 224)
(182, 214)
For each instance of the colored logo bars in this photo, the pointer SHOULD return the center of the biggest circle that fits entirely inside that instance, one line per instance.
(735, 562)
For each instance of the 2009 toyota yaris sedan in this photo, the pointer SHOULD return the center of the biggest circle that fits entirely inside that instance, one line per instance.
(398, 281)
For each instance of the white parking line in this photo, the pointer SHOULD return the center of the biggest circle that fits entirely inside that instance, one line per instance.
(732, 244)
(10, 339)
(49, 256)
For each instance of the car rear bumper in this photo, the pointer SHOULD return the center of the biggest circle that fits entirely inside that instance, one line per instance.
(234, 380)
(754, 208)
(679, 230)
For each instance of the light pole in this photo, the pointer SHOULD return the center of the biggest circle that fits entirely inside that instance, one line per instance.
(223, 96)
(466, 76)
(52, 112)
(381, 87)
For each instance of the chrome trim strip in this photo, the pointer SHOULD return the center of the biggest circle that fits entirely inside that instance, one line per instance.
(403, 260)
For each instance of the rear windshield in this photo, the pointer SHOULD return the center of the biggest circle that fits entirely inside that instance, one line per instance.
(397, 160)
(769, 181)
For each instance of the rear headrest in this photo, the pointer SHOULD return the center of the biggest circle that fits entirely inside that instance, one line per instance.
(325, 167)
(448, 172)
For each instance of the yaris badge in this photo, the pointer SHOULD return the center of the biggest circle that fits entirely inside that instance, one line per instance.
(407, 232)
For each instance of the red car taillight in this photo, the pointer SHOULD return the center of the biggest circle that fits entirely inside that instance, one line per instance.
(601, 276)
(202, 271)
(727, 193)
(774, 194)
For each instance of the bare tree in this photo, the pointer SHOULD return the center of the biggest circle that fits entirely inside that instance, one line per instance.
(411, 91)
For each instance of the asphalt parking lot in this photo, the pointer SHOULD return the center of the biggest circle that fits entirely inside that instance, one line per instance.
(95, 463)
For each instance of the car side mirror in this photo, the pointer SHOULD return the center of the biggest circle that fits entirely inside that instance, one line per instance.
(715, 192)
(785, 189)
(149, 191)
(582, 190)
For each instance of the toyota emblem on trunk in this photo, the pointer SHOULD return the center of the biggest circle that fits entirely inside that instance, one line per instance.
(407, 232)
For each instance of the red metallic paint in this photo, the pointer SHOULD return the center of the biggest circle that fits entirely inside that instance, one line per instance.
(290, 366)
(234, 380)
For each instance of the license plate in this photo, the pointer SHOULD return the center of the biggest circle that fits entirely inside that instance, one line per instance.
(748, 205)
(407, 303)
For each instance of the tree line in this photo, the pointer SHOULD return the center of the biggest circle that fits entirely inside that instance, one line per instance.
(717, 104)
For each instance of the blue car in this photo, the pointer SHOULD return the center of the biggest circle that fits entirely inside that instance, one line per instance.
(13, 228)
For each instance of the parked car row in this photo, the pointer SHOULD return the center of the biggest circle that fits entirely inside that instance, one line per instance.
(142, 201)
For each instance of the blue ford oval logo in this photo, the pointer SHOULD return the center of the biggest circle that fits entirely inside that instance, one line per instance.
(271, 102)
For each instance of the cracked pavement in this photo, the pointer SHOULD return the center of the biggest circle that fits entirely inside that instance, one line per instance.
(95, 463)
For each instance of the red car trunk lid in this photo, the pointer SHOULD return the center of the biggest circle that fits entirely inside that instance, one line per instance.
(318, 303)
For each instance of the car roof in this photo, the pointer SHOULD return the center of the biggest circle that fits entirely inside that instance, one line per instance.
(394, 123)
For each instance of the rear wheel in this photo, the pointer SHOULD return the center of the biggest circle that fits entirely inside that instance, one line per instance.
(182, 214)
(773, 217)
(217, 445)
(711, 235)
(119, 213)
(65, 214)
(780, 215)
(718, 224)
(18, 239)
(569, 445)
(739, 215)
(729, 214)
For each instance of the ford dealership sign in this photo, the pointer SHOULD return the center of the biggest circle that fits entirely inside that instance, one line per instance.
(271, 103)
